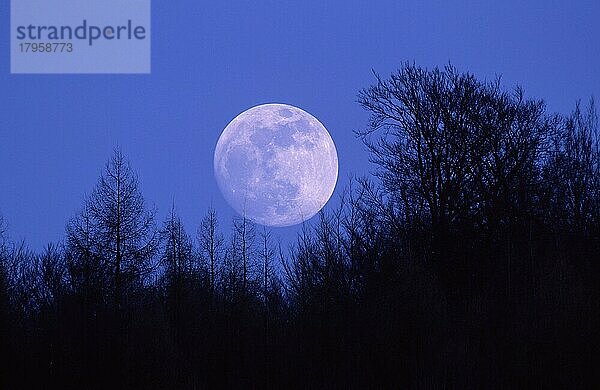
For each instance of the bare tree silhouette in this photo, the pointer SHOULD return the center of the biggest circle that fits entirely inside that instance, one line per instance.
(211, 243)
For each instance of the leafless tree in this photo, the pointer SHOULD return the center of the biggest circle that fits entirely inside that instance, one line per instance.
(115, 228)
(423, 152)
(52, 275)
(572, 175)
(211, 243)
(267, 254)
(452, 149)
(177, 252)
(87, 268)
(244, 231)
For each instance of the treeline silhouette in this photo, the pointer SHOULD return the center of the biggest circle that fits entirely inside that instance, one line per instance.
(470, 259)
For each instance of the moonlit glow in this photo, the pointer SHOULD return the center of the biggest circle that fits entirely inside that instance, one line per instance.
(276, 164)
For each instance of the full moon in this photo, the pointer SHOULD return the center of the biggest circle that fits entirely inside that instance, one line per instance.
(276, 164)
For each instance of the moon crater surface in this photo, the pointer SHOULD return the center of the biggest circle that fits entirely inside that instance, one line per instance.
(276, 164)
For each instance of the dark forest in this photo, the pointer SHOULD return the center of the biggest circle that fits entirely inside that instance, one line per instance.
(468, 259)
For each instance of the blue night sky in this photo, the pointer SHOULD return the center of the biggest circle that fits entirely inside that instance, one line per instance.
(211, 61)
